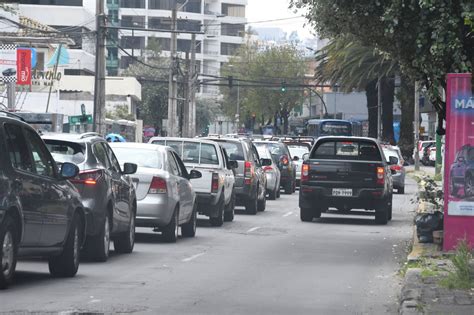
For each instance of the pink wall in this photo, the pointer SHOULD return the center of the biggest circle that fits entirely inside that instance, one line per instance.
(458, 205)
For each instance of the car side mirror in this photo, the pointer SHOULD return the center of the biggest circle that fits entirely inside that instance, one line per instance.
(305, 156)
(233, 164)
(393, 160)
(129, 168)
(194, 174)
(69, 170)
(266, 162)
(296, 158)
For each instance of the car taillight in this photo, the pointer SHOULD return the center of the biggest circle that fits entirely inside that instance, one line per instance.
(268, 168)
(158, 186)
(284, 160)
(248, 172)
(380, 175)
(215, 182)
(89, 177)
(396, 167)
(305, 173)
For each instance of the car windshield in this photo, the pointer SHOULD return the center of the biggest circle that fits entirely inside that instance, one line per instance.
(263, 152)
(199, 153)
(142, 157)
(346, 150)
(276, 149)
(234, 150)
(298, 151)
(63, 151)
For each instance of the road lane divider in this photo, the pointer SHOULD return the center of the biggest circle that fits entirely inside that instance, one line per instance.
(253, 229)
(288, 214)
(192, 257)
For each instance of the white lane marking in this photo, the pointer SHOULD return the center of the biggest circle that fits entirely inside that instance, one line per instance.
(192, 257)
(253, 229)
(288, 214)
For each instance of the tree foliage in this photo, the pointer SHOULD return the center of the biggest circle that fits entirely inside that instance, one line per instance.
(429, 38)
(267, 70)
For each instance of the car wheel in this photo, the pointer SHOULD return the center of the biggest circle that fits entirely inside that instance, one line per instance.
(219, 220)
(272, 195)
(8, 253)
(401, 190)
(189, 229)
(251, 206)
(469, 186)
(381, 214)
(170, 232)
(307, 214)
(98, 247)
(454, 189)
(288, 188)
(230, 211)
(125, 242)
(67, 263)
(278, 193)
(262, 204)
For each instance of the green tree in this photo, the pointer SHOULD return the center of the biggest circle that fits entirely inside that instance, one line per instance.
(206, 111)
(261, 72)
(120, 112)
(428, 38)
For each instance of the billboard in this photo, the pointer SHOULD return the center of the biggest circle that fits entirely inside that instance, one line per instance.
(459, 161)
(23, 56)
(8, 63)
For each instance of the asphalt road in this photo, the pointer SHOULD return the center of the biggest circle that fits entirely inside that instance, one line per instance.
(271, 263)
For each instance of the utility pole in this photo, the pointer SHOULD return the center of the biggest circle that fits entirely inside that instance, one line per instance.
(99, 86)
(237, 116)
(187, 99)
(11, 87)
(192, 88)
(417, 125)
(173, 83)
(379, 109)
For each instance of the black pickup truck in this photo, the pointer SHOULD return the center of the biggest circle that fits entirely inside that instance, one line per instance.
(346, 173)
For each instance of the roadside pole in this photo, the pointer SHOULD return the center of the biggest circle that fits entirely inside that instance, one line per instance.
(11, 87)
(192, 88)
(99, 85)
(417, 126)
(187, 99)
(237, 116)
(439, 160)
(173, 84)
(379, 109)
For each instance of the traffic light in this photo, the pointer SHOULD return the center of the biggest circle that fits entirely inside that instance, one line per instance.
(231, 81)
(283, 86)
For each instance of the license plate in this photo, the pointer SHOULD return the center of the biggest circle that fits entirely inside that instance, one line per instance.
(342, 192)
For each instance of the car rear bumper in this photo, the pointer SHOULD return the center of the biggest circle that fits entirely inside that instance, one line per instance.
(154, 211)
(398, 180)
(271, 181)
(363, 198)
(244, 193)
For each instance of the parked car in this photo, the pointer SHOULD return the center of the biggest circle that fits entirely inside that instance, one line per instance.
(215, 189)
(398, 169)
(287, 169)
(421, 148)
(250, 179)
(9, 72)
(40, 213)
(297, 151)
(346, 173)
(462, 172)
(166, 198)
(106, 191)
(272, 172)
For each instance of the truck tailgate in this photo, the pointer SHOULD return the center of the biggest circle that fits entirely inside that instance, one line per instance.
(203, 184)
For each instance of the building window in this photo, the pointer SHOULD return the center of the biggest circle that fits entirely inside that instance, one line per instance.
(229, 49)
(159, 23)
(132, 42)
(125, 62)
(193, 6)
(189, 25)
(71, 3)
(233, 10)
(160, 4)
(232, 29)
(184, 45)
(135, 4)
(162, 43)
(133, 21)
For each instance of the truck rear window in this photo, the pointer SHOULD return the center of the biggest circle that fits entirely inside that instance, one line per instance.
(347, 150)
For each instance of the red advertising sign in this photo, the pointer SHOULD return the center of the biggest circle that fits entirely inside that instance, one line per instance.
(459, 162)
(23, 65)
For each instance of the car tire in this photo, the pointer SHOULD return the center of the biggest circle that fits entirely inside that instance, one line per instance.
(125, 242)
(98, 247)
(251, 206)
(288, 188)
(272, 195)
(9, 249)
(469, 186)
(307, 214)
(219, 220)
(454, 189)
(67, 263)
(170, 232)
(278, 193)
(189, 229)
(382, 214)
(230, 211)
(401, 190)
(317, 213)
(262, 204)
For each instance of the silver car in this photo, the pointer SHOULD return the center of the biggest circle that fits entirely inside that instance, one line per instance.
(297, 151)
(165, 196)
(398, 170)
(272, 172)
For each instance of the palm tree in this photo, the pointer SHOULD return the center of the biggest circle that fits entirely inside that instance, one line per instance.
(354, 66)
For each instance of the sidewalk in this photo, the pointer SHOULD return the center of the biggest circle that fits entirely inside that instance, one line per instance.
(423, 290)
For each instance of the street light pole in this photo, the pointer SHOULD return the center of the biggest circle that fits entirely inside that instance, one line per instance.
(379, 109)
(237, 116)
(173, 84)
(417, 125)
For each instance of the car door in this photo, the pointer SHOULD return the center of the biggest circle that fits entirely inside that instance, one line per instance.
(27, 187)
(54, 202)
(258, 169)
(229, 175)
(184, 189)
(122, 186)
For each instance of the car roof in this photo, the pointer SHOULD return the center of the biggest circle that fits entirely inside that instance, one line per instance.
(265, 142)
(72, 137)
(236, 140)
(136, 145)
(197, 140)
(348, 138)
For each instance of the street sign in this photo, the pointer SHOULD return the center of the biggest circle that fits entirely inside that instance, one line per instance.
(80, 119)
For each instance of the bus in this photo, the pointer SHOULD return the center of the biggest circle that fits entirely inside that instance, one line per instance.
(333, 127)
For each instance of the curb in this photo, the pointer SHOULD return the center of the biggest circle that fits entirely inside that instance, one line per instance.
(410, 299)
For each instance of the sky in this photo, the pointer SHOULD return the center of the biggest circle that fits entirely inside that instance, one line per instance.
(262, 10)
